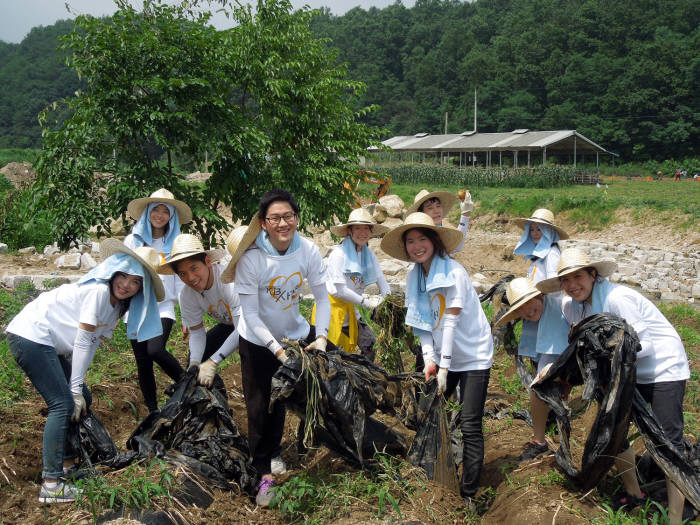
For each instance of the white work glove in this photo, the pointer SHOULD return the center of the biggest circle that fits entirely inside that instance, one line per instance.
(442, 380)
(207, 371)
(467, 205)
(79, 407)
(430, 369)
(283, 356)
(318, 344)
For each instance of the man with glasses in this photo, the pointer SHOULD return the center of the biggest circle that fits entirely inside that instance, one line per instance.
(269, 278)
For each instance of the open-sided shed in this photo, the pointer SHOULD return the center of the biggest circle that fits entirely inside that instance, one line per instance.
(470, 148)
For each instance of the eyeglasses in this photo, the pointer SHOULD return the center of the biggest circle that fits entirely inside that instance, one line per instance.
(289, 218)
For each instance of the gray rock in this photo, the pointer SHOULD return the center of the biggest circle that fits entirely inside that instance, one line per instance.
(391, 267)
(3, 247)
(392, 222)
(370, 207)
(671, 297)
(480, 277)
(51, 249)
(46, 282)
(95, 248)
(13, 281)
(670, 256)
(393, 204)
(87, 262)
(29, 250)
(650, 284)
(380, 213)
(695, 291)
(69, 260)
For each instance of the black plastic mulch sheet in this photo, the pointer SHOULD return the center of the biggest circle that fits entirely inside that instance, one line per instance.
(194, 428)
(602, 356)
(340, 392)
(431, 449)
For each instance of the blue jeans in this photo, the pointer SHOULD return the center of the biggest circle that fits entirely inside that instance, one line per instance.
(49, 373)
(472, 387)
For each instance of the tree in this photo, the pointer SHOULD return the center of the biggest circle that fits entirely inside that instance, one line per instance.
(264, 100)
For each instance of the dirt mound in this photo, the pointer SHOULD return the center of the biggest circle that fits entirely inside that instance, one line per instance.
(19, 173)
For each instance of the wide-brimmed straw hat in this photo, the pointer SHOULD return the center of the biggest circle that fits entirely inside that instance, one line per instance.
(146, 256)
(447, 200)
(542, 216)
(573, 259)
(519, 291)
(392, 243)
(186, 245)
(359, 217)
(238, 241)
(136, 207)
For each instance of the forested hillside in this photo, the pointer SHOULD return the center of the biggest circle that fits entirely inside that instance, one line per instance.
(625, 74)
(32, 75)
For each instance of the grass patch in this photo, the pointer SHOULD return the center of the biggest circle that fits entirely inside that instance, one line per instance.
(18, 155)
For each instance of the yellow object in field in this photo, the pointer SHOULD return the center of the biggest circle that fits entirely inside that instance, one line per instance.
(339, 310)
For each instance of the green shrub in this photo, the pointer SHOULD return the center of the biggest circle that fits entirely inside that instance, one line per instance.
(22, 223)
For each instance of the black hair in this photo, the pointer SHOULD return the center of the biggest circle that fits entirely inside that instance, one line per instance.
(201, 257)
(276, 195)
(429, 201)
(591, 270)
(122, 304)
(432, 235)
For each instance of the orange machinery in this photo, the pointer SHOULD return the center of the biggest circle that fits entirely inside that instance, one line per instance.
(370, 177)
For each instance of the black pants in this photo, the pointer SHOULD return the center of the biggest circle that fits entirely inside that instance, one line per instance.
(473, 385)
(666, 400)
(148, 352)
(265, 429)
(215, 338)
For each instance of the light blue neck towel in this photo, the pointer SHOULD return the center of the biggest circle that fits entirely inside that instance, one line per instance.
(361, 264)
(144, 318)
(526, 246)
(599, 301)
(143, 231)
(550, 335)
(419, 314)
(262, 241)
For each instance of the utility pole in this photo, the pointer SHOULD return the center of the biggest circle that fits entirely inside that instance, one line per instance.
(474, 110)
(445, 122)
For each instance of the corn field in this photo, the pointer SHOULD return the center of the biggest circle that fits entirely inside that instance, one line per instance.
(539, 177)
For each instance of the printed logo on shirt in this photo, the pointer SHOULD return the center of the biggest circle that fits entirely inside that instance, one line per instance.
(437, 306)
(357, 280)
(284, 289)
(162, 258)
(221, 312)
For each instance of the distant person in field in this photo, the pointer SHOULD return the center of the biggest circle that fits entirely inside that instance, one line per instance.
(662, 364)
(352, 266)
(438, 204)
(54, 338)
(158, 218)
(551, 339)
(269, 277)
(445, 313)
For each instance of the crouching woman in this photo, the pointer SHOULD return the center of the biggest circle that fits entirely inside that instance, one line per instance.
(445, 313)
(54, 338)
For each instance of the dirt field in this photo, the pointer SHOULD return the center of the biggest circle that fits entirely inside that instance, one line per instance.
(531, 493)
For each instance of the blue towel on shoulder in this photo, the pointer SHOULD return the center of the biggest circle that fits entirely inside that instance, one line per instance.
(418, 314)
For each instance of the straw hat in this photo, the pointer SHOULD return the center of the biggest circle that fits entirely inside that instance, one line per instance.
(359, 216)
(238, 241)
(146, 256)
(136, 207)
(392, 243)
(519, 291)
(542, 216)
(573, 259)
(186, 245)
(447, 200)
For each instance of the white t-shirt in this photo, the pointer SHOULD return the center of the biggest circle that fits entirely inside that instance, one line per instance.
(662, 357)
(220, 301)
(172, 283)
(52, 319)
(277, 281)
(472, 348)
(545, 268)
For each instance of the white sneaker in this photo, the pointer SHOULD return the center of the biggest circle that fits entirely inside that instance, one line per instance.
(61, 493)
(277, 466)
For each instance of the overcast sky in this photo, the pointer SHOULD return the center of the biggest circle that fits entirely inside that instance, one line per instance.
(17, 17)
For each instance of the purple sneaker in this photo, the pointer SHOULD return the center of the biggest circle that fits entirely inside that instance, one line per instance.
(265, 492)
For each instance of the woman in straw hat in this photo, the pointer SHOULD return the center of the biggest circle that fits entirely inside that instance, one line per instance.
(54, 338)
(351, 267)
(440, 298)
(437, 205)
(205, 292)
(158, 219)
(662, 364)
(269, 277)
(552, 330)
